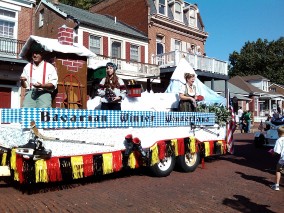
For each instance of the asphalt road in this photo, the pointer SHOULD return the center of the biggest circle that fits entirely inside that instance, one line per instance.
(231, 183)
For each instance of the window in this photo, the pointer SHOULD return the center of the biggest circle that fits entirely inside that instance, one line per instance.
(192, 19)
(95, 44)
(41, 18)
(134, 53)
(177, 45)
(178, 11)
(256, 104)
(8, 31)
(265, 86)
(75, 35)
(162, 7)
(7, 24)
(273, 89)
(160, 44)
(7, 13)
(116, 49)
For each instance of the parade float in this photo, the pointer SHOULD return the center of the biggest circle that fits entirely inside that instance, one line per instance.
(70, 142)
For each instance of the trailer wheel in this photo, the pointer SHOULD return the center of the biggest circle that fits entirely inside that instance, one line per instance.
(188, 162)
(164, 167)
(259, 141)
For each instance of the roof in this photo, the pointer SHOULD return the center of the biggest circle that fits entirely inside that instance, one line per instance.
(104, 22)
(254, 77)
(241, 83)
(277, 85)
(219, 86)
(153, 10)
(53, 45)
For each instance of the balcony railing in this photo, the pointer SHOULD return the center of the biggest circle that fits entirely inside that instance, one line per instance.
(207, 64)
(130, 69)
(10, 47)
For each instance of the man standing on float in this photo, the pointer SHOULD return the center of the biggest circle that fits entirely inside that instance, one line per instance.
(40, 80)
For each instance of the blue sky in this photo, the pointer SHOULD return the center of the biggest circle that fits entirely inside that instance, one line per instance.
(231, 23)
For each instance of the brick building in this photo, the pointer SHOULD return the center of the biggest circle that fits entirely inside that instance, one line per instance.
(263, 100)
(108, 37)
(16, 24)
(175, 29)
(170, 25)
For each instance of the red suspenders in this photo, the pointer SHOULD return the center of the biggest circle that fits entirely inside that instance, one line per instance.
(43, 77)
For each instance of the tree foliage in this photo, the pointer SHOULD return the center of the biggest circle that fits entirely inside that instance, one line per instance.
(83, 4)
(259, 58)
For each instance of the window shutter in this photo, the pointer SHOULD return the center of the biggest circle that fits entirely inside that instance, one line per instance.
(105, 46)
(127, 51)
(183, 46)
(172, 44)
(86, 39)
(142, 54)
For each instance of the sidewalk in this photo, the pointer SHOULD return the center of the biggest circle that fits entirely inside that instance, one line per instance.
(254, 128)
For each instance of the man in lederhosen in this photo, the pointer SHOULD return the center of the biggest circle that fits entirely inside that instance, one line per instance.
(40, 80)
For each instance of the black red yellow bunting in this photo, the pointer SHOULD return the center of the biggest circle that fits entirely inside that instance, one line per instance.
(98, 165)
(217, 148)
(186, 145)
(66, 168)
(169, 148)
(28, 171)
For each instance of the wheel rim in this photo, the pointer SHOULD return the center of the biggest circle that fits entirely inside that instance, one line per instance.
(190, 159)
(165, 164)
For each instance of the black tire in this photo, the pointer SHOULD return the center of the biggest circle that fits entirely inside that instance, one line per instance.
(259, 141)
(188, 162)
(164, 167)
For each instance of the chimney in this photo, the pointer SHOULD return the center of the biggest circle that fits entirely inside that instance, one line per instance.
(65, 35)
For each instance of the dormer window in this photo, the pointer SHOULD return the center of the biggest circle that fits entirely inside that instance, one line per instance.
(192, 17)
(162, 7)
(178, 11)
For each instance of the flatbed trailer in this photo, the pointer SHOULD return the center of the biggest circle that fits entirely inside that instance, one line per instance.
(86, 143)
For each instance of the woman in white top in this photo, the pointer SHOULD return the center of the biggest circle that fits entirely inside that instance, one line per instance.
(187, 94)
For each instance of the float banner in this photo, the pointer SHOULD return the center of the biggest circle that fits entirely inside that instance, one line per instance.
(75, 118)
(10, 115)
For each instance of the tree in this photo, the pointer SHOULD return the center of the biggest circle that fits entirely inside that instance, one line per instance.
(83, 4)
(259, 58)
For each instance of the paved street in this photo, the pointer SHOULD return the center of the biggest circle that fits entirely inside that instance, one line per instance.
(231, 183)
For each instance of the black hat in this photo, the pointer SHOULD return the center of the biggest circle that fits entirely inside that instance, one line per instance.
(36, 48)
(113, 65)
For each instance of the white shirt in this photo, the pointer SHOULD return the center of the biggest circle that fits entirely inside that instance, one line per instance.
(240, 113)
(182, 89)
(37, 74)
(279, 148)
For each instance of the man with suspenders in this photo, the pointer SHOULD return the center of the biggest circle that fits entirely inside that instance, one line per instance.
(40, 79)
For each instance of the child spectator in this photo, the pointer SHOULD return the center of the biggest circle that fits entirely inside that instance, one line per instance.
(279, 150)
